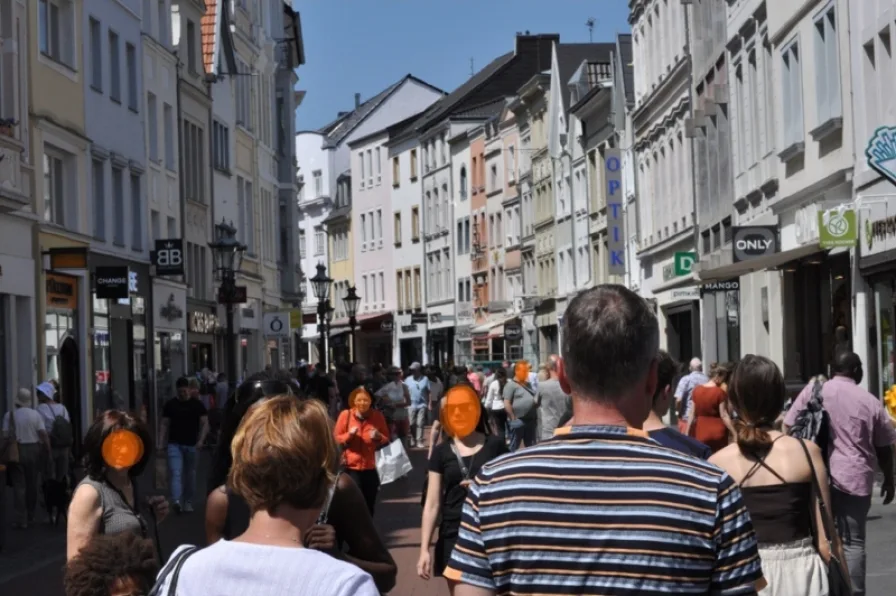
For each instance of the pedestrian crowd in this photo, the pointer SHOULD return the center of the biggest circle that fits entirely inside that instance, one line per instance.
(564, 480)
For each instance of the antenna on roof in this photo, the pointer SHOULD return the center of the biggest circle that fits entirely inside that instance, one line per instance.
(472, 68)
(590, 24)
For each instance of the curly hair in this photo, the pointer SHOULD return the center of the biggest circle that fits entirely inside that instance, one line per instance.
(107, 558)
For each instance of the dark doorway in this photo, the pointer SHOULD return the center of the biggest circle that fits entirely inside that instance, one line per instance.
(680, 335)
(70, 387)
(411, 351)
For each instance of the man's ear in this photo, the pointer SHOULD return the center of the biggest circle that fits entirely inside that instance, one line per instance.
(562, 378)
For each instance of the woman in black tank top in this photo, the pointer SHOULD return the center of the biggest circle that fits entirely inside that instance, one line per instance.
(344, 530)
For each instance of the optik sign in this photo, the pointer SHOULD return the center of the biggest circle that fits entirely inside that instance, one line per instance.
(615, 214)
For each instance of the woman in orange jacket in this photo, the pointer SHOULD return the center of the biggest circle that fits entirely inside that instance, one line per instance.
(360, 431)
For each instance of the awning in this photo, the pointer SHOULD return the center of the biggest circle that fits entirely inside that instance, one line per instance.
(494, 328)
(744, 267)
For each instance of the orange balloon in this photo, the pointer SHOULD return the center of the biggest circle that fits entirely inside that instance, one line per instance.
(360, 401)
(461, 412)
(122, 449)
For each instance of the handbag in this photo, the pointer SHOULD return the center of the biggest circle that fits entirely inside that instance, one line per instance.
(9, 448)
(392, 462)
(838, 584)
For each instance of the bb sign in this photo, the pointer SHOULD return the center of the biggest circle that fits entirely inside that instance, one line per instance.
(168, 257)
(752, 242)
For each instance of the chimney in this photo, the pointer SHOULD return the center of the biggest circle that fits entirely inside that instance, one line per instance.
(357, 100)
(536, 46)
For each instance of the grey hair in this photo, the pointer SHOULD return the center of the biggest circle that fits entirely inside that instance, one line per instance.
(610, 339)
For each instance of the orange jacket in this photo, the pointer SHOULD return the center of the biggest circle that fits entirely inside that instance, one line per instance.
(359, 450)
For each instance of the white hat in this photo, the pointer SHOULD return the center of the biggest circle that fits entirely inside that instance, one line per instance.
(415, 366)
(24, 398)
(47, 389)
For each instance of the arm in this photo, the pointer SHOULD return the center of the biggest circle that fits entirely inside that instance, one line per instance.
(340, 431)
(379, 423)
(354, 525)
(884, 438)
(821, 476)
(689, 416)
(203, 431)
(215, 515)
(472, 567)
(407, 395)
(726, 418)
(431, 510)
(885, 461)
(45, 440)
(508, 401)
(737, 568)
(84, 515)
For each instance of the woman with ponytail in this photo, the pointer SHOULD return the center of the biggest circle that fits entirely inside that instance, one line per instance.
(783, 481)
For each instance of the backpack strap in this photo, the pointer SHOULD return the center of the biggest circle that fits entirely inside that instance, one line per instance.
(325, 510)
(172, 569)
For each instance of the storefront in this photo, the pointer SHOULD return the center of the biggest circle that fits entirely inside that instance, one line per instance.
(877, 266)
(64, 339)
(169, 337)
(120, 330)
(410, 333)
(440, 337)
(248, 320)
(720, 303)
(374, 339)
(202, 326)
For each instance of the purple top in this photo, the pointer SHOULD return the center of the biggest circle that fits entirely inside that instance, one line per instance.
(859, 423)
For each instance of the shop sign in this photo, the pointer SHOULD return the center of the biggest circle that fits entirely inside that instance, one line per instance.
(684, 263)
(409, 328)
(62, 291)
(202, 322)
(419, 318)
(170, 311)
(168, 257)
(879, 229)
(753, 242)
(112, 283)
(837, 228)
(435, 317)
(513, 331)
(465, 312)
(276, 324)
(717, 287)
(615, 214)
(687, 294)
(386, 326)
(462, 332)
(881, 152)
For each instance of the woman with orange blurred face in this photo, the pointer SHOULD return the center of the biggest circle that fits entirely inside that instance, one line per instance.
(360, 431)
(452, 466)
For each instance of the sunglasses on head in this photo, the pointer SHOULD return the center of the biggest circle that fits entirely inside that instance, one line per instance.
(251, 391)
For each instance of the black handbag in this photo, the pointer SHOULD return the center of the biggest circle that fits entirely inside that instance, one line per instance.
(838, 576)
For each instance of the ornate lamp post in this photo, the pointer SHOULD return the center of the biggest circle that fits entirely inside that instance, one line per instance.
(352, 301)
(228, 255)
(320, 283)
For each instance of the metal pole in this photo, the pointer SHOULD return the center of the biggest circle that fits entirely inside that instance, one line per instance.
(321, 347)
(352, 323)
(231, 334)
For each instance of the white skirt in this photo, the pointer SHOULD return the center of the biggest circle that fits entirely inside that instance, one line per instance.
(793, 569)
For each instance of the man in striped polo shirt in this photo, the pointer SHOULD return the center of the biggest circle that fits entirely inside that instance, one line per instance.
(601, 508)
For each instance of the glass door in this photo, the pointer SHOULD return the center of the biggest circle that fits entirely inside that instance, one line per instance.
(884, 307)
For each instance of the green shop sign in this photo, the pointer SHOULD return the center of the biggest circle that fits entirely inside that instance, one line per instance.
(837, 228)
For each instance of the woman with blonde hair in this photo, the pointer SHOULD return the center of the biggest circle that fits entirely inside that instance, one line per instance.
(285, 460)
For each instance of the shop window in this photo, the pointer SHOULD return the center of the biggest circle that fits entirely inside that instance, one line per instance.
(886, 334)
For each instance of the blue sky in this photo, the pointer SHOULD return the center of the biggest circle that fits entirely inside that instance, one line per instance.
(362, 46)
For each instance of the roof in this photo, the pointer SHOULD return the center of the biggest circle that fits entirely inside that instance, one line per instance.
(338, 214)
(571, 55)
(337, 130)
(484, 111)
(208, 25)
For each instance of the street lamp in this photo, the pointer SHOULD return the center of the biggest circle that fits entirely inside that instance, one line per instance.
(320, 283)
(352, 301)
(228, 255)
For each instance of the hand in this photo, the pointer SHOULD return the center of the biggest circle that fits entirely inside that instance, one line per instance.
(375, 434)
(465, 483)
(424, 565)
(159, 506)
(321, 537)
(353, 431)
(888, 491)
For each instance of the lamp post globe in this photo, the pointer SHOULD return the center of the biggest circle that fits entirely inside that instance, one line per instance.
(228, 252)
(352, 301)
(320, 283)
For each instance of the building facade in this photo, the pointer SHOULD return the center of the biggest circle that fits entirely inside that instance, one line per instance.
(461, 172)
(512, 228)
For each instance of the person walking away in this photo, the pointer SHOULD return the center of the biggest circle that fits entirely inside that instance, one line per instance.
(453, 464)
(360, 431)
(684, 390)
(436, 392)
(395, 399)
(494, 403)
(708, 418)
(418, 387)
(522, 411)
(861, 436)
(25, 426)
(784, 481)
(59, 427)
(184, 428)
(552, 402)
(601, 508)
(666, 370)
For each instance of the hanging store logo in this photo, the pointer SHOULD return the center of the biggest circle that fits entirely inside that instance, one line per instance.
(615, 213)
(752, 242)
(881, 152)
(171, 311)
(837, 228)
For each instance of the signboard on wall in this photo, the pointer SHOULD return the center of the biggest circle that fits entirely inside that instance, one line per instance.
(276, 324)
(881, 152)
(878, 228)
(615, 214)
(753, 242)
(837, 228)
(112, 283)
(62, 291)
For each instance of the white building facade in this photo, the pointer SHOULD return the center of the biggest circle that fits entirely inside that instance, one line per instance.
(463, 270)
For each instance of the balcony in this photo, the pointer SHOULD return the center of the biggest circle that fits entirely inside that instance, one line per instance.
(14, 183)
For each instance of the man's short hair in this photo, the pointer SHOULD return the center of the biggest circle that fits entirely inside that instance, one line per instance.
(666, 371)
(284, 453)
(182, 382)
(610, 339)
(110, 557)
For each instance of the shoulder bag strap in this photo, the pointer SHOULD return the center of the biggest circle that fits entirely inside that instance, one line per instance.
(825, 514)
(325, 510)
(460, 461)
(172, 570)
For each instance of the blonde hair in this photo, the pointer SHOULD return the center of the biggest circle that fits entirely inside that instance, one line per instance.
(284, 453)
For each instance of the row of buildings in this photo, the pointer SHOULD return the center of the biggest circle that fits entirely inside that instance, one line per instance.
(128, 130)
(732, 162)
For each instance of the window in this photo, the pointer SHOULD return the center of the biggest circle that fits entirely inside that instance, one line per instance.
(396, 172)
(415, 223)
(57, 30)
(382, 287)
(792, 95)
(379, 227)
(152, 125)
(155, 224)
(54, 188)
(369, 167)
(249, 195)
(96, 55)
(493, 181)
(163, 17)
(191, 47)
(463, 183)
(318, 183)
(379, 166)
(363, 232)
(172, 228)
(301, 244)
(168, 130)
(417, 296)
(99, 199)
(318, 241)
(136, 214)
(130, 54)
(194, 161)
(114, 68)
(397, 228)
(243, 95)
(413, 164)
(511, 164)
(221, 141)
(399, 289)
(460, 238)
(118, 206)
(827, 67)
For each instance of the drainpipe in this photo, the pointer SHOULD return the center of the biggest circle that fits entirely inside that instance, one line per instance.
(687, 50)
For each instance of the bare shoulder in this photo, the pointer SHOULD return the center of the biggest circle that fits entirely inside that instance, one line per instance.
(725, 455)
(85, 499)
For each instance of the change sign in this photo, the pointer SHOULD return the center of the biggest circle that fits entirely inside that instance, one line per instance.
(615, 214)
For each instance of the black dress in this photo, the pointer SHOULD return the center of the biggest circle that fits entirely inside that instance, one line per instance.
(444, 462)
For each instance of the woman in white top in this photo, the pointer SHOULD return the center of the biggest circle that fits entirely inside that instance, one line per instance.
(29, 431)
(284, 464)
(494, 402)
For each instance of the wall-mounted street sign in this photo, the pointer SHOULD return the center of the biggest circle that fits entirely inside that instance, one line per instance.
(684, 263)
(111, 283)
(168, 257)
(276, 324)
(836, 228)
(752, 242)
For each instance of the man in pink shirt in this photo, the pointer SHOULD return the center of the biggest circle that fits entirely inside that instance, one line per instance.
(861, 435)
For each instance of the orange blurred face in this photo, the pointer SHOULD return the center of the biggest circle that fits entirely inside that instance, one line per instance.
(521, 372)
(122, 449)
(461, 413)
(360, 401)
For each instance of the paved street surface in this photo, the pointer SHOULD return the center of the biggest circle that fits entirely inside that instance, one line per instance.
(32, 560)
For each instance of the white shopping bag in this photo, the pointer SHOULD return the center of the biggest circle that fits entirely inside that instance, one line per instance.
(392, 462)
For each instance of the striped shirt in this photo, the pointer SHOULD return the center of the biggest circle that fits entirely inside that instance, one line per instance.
(600, 510)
